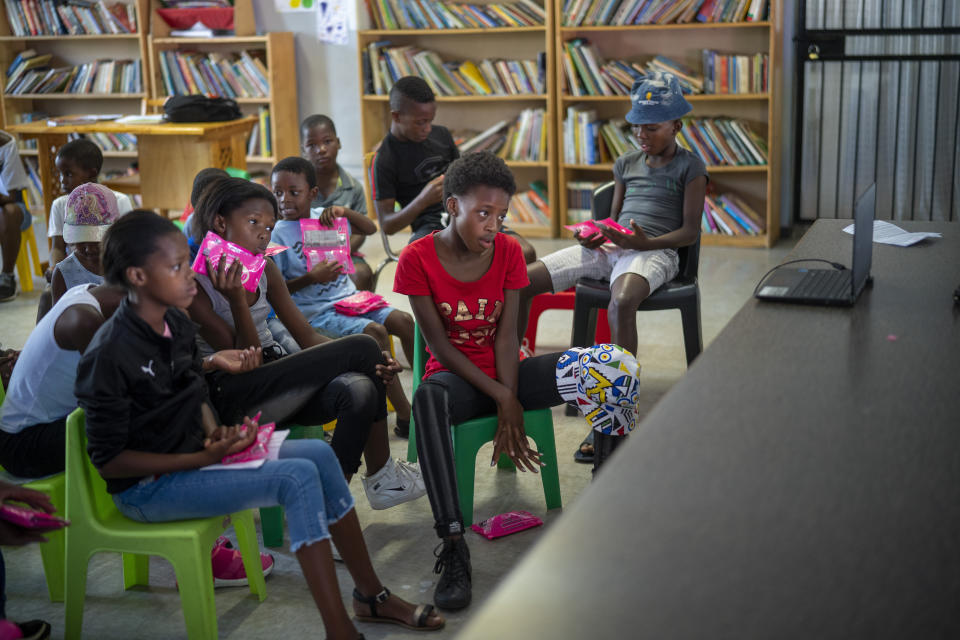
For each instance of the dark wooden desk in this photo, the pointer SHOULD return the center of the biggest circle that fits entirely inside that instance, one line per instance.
(801, 481)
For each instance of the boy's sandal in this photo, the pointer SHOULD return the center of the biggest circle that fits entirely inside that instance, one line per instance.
(420, 614)
(582, 456)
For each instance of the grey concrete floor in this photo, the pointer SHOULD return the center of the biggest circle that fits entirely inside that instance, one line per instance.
(401, 540)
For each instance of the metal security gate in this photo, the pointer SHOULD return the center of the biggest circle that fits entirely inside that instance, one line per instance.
(879, 100)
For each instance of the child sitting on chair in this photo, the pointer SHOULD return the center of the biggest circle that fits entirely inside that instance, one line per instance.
(316, 291)
(91, 209)
(151, 428)
(335, 187)
(464, 286)
(14, 216)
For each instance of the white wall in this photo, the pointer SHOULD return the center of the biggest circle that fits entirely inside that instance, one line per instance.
(327, 75)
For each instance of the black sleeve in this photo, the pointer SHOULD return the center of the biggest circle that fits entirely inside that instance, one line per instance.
(454, 150)
(101, 390)
(384, 175)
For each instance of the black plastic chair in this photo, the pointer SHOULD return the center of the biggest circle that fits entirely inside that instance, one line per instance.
(681, 293)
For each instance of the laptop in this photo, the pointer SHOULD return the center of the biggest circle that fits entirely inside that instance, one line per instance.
(838, 287)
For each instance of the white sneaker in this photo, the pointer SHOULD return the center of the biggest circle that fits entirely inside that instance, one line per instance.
(397, 482)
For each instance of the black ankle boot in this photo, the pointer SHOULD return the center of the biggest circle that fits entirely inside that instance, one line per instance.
(454, 589)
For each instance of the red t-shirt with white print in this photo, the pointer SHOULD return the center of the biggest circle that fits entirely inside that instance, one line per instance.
(470, 310)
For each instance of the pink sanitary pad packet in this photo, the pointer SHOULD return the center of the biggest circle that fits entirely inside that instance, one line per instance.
(506, 523)
(214, 246)
(274, 248)
(257, 449)
(360, 303)
(322, 243)
(613, 224)
(586, 228)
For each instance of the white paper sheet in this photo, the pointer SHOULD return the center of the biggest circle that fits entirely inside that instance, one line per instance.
(888, 233)
(273, 452)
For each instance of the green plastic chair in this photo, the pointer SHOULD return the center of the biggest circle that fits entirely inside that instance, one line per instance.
(96, 525)
(271, 518)
(469, 436)
(51, 551)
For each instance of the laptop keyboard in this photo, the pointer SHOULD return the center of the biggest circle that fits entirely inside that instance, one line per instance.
(823, 283)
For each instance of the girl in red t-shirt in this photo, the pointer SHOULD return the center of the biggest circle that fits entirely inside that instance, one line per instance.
(464, 285)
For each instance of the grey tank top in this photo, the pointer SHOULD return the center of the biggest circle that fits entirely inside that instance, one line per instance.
(221, 306)
(74, 273)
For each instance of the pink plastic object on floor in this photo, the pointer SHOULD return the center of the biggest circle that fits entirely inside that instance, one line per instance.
(506, 523)
(360, 303)
(257, 449)
(9, 631)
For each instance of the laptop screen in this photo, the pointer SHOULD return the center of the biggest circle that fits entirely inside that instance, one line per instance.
(863, 237)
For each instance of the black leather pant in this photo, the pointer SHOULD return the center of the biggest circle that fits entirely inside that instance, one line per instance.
(445, 399)
(337, 379)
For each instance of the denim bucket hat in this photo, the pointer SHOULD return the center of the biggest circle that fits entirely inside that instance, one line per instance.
(656, 97)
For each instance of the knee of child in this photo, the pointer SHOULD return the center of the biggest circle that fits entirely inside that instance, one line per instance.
(379, 333)
(529, 254)
(624, 302)
(297, 474)
(355, 391)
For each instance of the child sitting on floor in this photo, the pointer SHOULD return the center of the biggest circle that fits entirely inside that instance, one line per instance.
(342, 379)
(317, 290)
(335, 187)
(150, 430)
(14, 216)
(464, 285)
(91, 209)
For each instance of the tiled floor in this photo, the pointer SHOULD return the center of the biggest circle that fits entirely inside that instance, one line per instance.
(401, 540)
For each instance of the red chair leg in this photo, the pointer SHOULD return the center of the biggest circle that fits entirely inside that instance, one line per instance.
(541, 303)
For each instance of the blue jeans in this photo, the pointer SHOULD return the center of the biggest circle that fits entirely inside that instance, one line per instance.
(306, 480)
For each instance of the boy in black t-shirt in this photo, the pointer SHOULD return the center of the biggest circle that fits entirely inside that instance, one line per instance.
(411, 161)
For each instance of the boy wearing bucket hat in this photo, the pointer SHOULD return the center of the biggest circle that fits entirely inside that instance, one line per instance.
(91, 209)
(658, 195)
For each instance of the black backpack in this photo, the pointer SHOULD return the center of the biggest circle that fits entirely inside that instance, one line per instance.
(200, 109)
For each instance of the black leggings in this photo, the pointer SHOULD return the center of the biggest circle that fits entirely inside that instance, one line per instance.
(36, 451)
(337, 379)
(445, 399)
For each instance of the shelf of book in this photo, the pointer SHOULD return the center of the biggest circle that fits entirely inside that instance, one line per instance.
(69, 38)
(276, 54)
(684, 44)
(76, 96)
(479, 112)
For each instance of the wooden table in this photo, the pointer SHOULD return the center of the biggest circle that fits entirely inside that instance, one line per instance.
(802, 480)
(170, 154)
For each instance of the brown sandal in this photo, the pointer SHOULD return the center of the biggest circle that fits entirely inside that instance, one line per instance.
(420, 614)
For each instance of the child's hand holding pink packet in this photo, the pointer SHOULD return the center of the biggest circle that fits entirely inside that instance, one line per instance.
(257, 449)
(586, 228)
(214, 247)
(322, 243)
(613, 224)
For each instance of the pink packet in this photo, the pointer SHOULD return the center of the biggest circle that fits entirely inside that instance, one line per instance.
(586, 228)
(506, 523)
(273, 249)
(29, 518)
(214, 246)
(257, 449)
(321, 243)
(359, 303)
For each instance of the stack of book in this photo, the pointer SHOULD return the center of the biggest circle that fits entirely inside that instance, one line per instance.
(728, 214)
(587, 140)
(723, 141)
(531, 206)
(71, 17)
(260, 143)
(384, 64)
(587, 74)
(523, 140)
(735, 74)
(624, 12)
(433, 14)
(232, 75)
(100, 76)
(580, 200)
(110, 141)
(34, 190)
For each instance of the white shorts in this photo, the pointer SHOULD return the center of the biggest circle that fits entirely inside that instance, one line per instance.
(609, 262)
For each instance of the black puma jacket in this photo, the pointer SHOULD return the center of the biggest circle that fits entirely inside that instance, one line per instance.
(140, 390)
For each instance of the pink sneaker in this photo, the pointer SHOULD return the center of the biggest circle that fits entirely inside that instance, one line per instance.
(228, 568)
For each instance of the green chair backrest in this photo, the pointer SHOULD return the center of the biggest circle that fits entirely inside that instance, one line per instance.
(233, 172)
(85, 486)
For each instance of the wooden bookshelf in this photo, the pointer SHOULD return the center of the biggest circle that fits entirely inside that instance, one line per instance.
(74, 50)
(758, 185)
(474, 112)
(281, 74)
